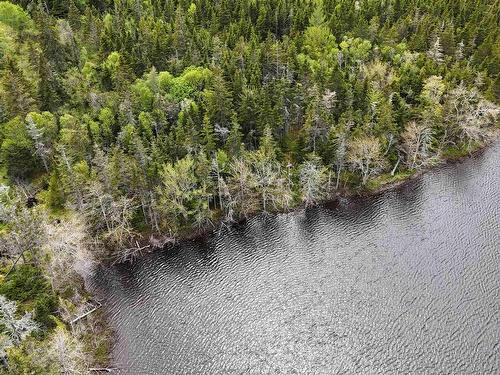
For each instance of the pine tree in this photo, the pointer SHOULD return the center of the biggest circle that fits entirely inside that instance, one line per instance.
(17, 97)
(234, 145)
(207, 134)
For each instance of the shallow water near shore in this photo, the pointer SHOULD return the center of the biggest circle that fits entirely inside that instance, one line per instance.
(404, 282)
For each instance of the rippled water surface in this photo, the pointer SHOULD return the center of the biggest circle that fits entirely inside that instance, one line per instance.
(406, 282)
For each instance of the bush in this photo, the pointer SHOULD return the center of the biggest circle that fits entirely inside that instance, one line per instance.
(25, 283)
(17, 150)
(27, 286)
(45, 305)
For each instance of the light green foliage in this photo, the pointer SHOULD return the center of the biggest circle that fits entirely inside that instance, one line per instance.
(356, 50)
(167, 116)
(146, 126)
(182, 87)
(143, 94)
(7, 41)
(74, 136)
(433, 90)
(319, 44)
(196, 77)
(192, 9)
(14, 16)
(127, 137)
(182, 199)
(46, 122)
(165, 80)
(107, 121)
(112, 62)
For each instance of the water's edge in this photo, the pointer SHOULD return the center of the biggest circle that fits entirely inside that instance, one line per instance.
(154, 242)
(382, 190)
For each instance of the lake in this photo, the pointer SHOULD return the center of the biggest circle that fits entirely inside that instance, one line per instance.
(404, 282)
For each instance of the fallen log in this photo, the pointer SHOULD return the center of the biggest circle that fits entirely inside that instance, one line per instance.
(85, 314)
(101, 369)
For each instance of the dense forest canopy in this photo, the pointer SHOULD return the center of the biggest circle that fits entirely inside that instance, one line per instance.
(167, 115)
(133, 119)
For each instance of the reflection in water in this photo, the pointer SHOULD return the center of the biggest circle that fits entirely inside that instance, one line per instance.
(403, 282)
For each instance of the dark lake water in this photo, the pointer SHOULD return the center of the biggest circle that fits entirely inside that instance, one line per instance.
(406, 282)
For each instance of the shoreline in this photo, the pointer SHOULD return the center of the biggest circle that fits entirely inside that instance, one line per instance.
(108, 333)
(154, 242)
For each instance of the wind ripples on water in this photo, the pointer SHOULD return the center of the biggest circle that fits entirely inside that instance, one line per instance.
(404, 282)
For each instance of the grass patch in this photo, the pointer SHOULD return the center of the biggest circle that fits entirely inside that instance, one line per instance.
(387, 179)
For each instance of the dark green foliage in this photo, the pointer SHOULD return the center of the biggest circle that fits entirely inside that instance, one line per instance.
(45, 307)
(24, 284)
(55, 192)
(27, 285)
(142, 92)
(17, 150)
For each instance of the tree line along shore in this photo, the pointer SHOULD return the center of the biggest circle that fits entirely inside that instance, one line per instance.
(128, 124)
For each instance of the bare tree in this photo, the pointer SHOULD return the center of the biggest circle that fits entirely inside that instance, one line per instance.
(364, 154)
(67, 252)
(313, 178)
(109, 217)
(41, 149)
(340, 156)
(459, 52)
(15, 329)
(436, 51)
(470, 114)
(120, 218)
(68, 353)
(266, 177)
(283, 195)
(416, 143)
(242, 186)
(26, 234)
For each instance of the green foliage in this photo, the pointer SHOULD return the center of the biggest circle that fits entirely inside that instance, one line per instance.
(45, 307)
(183, 199)
(143, 95)
(14, 16)
(17, 150)
(191, 80)
(165, 80)
(55, 192)
(163, 115)
(187, 110)
(27, 285)
(22, 361)
(112, 63)
(7, 41)
(24, 284)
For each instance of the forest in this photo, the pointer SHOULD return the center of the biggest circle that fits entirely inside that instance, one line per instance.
(127, 124)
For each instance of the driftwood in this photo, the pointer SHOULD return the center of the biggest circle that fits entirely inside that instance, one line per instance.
(129, 254)
(101, 369)
(160, 242)
(80, 317)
